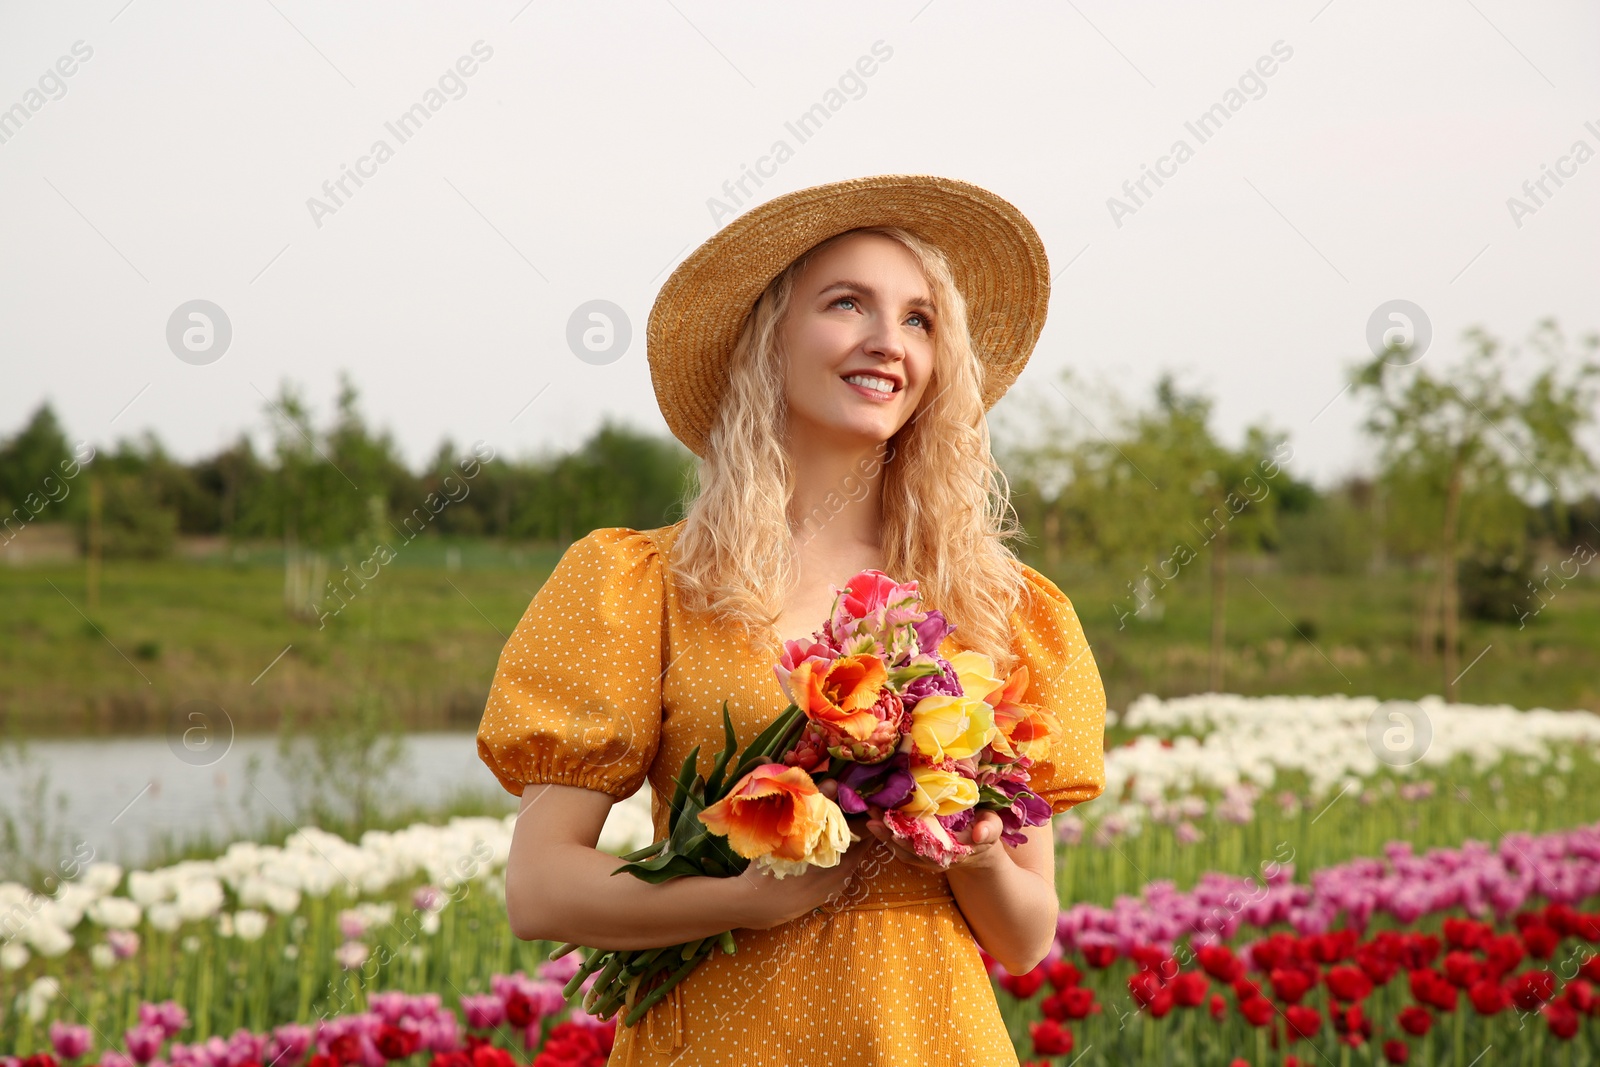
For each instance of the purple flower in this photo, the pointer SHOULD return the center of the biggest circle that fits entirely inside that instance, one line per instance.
(1027, 809)
(947, 683)
(70, 1041)
(956, 822)
(933, 630)
(888, 784)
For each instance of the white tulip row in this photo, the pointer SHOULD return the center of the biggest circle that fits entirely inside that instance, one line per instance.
(1192, 748)
(262, 879)
(1219, 743)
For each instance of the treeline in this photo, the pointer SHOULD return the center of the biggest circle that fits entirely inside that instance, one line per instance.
(323, 487)
(1484, 480)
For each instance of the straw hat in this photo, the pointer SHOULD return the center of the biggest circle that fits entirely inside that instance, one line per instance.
(994, 252)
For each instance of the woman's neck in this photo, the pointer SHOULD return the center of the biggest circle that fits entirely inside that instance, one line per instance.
(838, 495)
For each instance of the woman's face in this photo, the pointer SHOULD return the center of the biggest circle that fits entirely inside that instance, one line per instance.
(860, 307)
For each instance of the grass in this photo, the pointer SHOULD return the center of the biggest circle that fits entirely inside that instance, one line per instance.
(1318, 634)
(423, 639)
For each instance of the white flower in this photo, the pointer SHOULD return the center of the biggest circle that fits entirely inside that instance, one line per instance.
(147, 888)
(47, 938)
(102, 877)
(628, 826)
(164, 917)
(200, 898)
(249, 925)
(102, 956)
(115, 913)
(36, 999)
(430, 923)
(14, 956)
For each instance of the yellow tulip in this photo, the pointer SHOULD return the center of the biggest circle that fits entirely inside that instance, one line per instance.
(944, 726)
(977, 674)
(940, 792)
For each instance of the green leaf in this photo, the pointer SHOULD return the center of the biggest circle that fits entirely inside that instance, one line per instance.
(681, 791)
(988, 794)
(765, 743)
(730, 747)
(675, 867)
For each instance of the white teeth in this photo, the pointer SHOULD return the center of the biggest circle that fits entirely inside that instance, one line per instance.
(882, 385)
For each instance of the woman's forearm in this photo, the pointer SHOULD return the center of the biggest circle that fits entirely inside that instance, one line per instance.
(572, 896)
(1010, 909)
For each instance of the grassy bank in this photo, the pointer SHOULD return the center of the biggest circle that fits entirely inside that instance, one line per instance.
(422, 639)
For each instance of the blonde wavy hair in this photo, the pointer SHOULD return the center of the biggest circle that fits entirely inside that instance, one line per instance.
(946, 503)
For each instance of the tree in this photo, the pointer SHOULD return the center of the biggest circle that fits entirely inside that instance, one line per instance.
(1461, 450)
(328, 489)
(1156, 488)
(35, 453)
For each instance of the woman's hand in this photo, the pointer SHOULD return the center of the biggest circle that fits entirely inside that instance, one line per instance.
(982, 833)
(762, 901)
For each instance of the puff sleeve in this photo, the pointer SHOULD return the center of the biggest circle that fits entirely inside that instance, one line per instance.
(576, 697)
(1062, 677)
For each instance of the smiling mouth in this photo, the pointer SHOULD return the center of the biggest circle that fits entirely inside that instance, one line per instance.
(872, 385)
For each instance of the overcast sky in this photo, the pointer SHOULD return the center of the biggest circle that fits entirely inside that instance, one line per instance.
(580, 158)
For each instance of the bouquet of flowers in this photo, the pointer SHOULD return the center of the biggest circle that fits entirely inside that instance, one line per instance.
(899, 729)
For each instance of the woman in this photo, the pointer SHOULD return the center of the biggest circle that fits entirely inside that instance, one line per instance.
(816, 354)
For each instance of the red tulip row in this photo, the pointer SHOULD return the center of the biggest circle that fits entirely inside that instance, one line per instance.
(1292, 988)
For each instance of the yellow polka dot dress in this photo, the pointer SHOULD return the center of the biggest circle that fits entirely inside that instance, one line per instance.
(607, 681)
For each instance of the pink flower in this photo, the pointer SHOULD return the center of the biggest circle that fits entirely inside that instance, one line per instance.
(484, 1012)
(925, 836)
(439, 1032)
(124, 943)
(288, 1046)
(169, 1015)
(875, 614)
(390, 1006)
(351, 954)
(560, 970)
(352, 924)
(70, 1041)
(797, 652)
(144, 1040)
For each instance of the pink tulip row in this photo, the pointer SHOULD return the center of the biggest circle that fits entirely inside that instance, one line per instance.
(395, 1026)
(1563, 866)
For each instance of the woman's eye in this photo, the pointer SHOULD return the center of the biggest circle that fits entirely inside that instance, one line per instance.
(923, 320)
(843, 300)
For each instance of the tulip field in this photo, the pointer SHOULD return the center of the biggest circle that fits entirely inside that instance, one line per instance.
(1264, 881)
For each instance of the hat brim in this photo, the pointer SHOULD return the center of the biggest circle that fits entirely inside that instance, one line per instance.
(994, 252)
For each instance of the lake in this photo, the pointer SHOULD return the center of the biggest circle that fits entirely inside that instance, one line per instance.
(123, 796)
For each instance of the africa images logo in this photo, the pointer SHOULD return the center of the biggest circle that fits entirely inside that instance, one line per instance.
(405, 126)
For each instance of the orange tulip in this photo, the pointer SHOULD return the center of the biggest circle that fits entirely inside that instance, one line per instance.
(841, 694)
(775, 813)
(1022, 729)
